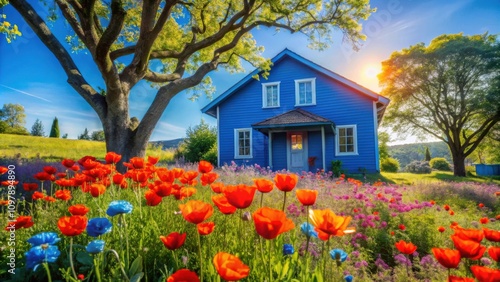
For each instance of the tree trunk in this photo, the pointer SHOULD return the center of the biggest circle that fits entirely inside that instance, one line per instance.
(458, 164)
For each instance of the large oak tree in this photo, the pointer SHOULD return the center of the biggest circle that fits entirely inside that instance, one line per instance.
(448, 89)
(174, 44)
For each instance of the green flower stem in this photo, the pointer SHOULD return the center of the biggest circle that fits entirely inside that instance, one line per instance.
(176, 260)
(261, 198)
(269, 262)
(119, 263)
(199, 256)
(284, 202)
(122, 217)
(46, 266)
(71, 258)
(96, 267)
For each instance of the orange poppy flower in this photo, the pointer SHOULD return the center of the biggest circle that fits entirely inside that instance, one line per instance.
(452, 278)
(208, 178)
(446, 207)
(64, 195)
(491, 235)
(485, 274)
(240, 196)
(78, 209)
(97, 189)
(468, 248)
(223, 205)
(307, 196)
(183, 275)
(30, 186)
(205, 167)
(188, 177)
(65, 182)
(37, 195)
(494, 253)
(484, 220)
(162, 189)
(112, 158)
(72, 225)
(7, 183)
(153, 160)
(3, 170)
(152, 198)
(263, 185)
(325, 221)
(469, 234)
(178, 172)
(21, 221)
(205, 228)
(441, 229)
(135, 163)
(286, 182)
(174, 240)
(452, 212)
(196, 211)
(405, 247)
(230, 267)
(165, 175)
(184, 192)
(49, 199)
(447, 257)
(217, 187)
(269, 223)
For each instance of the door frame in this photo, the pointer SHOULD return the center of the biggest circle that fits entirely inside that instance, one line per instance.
(289, 149)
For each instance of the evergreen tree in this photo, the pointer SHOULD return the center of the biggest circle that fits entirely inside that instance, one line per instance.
(85, 135)
(37, 128)
(54, 130)
(427, 154)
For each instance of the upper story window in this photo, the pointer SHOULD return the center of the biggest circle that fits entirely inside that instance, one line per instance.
(270, 95)
(305, 92)
(242, 143)
(346, 140)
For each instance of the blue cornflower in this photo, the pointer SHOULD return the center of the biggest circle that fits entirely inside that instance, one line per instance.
(348, 278)
(119, 207)
(42, 238)
(308, 230)
(98, 226)
(95, 247)
(338, 255)
(40, 254)
(288, 249)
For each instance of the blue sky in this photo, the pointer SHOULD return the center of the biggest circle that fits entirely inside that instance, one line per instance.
(32, 77)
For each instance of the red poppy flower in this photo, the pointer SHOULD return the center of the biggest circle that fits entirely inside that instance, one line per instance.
(153, 160)
(188, 177)
(183, 275)
(97, 189)
(446, 207)
(286, 182)
(307, 196)
(178, 172)
(240, 196)
(165, 175)
(468, 248)
(37, 195)
(484, 220)
(78, 209)
(152, 199)
(217, 187)
(402, 227)
(452, 212)
(494, 253)
(441, 229)
(64, 195)
(208, 178)
(138, 175)
(405, 247)
(89, 163)
(68, 163)
(50, 169)
(223, 205)
(135, 163)
(491, 235)
(452, 278)
(49, 199)
(162, 189)
(119, 179)
(75, 168)
(184, 192)
(469, 234)
(43, 176)
(3, 170)
(7, 183)
(230, 267)
(205, 167)
(263, 185)
(65, 182)
(205, 228)
(485, 274)
(174, 240)
(196, 211)
(326, 221)
(30, 186)
(72, 225)
(480, 205)
(21, 221)
(269, 223)
(447, 257)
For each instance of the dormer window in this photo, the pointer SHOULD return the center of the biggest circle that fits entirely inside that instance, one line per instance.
(305, 92)
(271, 95)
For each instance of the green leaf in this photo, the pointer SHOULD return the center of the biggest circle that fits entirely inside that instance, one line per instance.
(136, 267)
(137, 277)
(84, 258)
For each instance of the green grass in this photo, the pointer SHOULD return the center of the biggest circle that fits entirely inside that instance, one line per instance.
(407, 178)
(57, 149)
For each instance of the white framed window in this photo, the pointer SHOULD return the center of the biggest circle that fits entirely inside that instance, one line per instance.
(271, 95)
(242, 143)
(346, 140)
(305, 92)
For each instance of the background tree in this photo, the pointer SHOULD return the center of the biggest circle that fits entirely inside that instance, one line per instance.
(449, 89)
(97, 135)
(175, 45)
(10, 31)
(200, 143)
(85, 135)
(427, 154)
(13, 119)
(383, 148)
(54, 130)
(37, 128)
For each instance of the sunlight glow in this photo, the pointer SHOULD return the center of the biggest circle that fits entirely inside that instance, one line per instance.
(371, 71)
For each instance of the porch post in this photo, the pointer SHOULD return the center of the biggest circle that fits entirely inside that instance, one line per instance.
(270, 149)
(323, 147)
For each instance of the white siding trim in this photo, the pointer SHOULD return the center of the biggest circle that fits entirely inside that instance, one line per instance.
(218, 138)
(236, 143)
(323, 148)
(313, 90)
(375, 130)
(355, 140)
(270, 149)
(264, 94)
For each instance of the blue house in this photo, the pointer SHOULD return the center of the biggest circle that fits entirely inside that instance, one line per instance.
(301, 118)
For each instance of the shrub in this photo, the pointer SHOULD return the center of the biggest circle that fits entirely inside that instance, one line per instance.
(200, 140)
(211, 155)
(337, 168)
(440, 164)
(389, 165)
(418, 167)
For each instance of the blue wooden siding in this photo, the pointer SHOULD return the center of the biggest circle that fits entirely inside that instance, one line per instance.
(279, 151)
(314, 149)
(334, 101)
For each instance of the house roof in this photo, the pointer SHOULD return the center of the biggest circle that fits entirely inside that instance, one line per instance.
(382, 102)
(293, 119)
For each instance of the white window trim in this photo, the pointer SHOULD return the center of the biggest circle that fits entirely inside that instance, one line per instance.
(236, 144)
(264, 94)
(313, 90)
(355, 140)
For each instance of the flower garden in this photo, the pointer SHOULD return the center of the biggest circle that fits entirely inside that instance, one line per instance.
(82, 220)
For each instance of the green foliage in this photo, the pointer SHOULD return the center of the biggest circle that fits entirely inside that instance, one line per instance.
(427, 154)
(54, 130)
(383, 148)
(37, 129)
(406, 153)
(418, 167)
(200, 140)
(85, 135)
(337, 168)
(98, 135)
(440, 164)
(211, 155)
(389, 165)
(13, 119)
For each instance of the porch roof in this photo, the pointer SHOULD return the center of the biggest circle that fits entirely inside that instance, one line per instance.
(294, 119)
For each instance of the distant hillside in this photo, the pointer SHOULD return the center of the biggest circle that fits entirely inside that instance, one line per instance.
(169, 144)
(407, 153)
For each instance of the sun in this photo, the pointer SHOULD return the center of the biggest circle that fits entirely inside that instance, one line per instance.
(371, 71)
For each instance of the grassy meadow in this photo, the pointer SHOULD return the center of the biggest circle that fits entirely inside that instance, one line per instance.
(158, 222)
